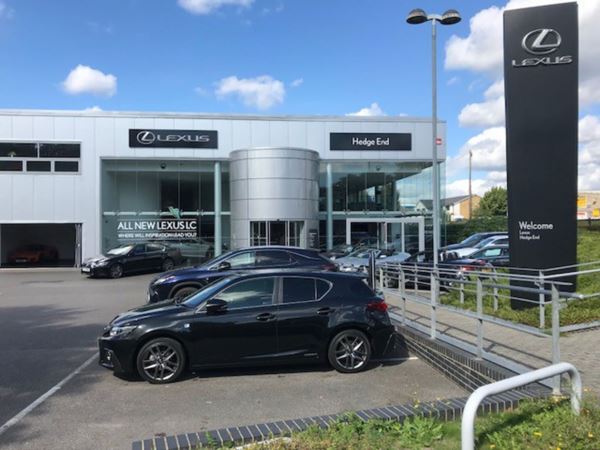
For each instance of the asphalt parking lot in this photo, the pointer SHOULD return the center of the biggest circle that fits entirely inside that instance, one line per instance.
(49, 321)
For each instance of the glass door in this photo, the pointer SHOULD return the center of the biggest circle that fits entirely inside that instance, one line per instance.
(278, 233)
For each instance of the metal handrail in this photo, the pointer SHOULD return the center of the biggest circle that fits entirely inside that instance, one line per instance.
(475, 399)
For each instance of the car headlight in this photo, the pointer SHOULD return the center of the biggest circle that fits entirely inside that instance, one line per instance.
(102, 262)
(121, 332)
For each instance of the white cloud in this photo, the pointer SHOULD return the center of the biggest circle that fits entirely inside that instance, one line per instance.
(94, 108)
(479, 186)
(262, 92)
(85, 80)
(201, 91)
(373, 110)
(481, 51)
(489, 113)
(488, 149)
(452, 81)
(203, 7)
(297, 82)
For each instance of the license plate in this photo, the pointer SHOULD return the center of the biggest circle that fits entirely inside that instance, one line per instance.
(85, 269)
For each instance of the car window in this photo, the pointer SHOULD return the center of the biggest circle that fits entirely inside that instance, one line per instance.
(153, 248)
(139, 249)
(272, 258)
(502, 241)
(491, 252)
(322, 288)
(242, 259)
(296, 289)
(249, 293)
(360, 288)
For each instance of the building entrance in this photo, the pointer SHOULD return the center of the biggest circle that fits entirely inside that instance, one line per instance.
(277, 232)
(406, 234)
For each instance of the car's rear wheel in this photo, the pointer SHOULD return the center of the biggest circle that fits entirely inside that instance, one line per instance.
(161, 361)
(116, 271)
(183, 292)
(349, 351)
(167, 265)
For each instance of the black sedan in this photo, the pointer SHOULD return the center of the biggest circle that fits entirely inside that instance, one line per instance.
(132, 258)
(183, 282)
(252, 319)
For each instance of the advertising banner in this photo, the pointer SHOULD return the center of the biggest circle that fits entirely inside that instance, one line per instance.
(541, 83)
(129, 230)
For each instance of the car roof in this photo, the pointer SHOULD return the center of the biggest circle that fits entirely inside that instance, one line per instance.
(284, 272)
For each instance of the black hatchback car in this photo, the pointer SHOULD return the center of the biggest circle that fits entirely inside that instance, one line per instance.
(132, 258)
(252, 319)
(183, 282)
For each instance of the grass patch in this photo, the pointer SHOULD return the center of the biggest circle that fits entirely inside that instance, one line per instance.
(578, 311)
(540, 424)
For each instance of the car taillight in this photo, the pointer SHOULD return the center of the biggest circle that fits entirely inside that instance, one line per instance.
(330, 267)
(379, 305)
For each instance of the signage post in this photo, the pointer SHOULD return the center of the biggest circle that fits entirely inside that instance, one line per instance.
(541, 84)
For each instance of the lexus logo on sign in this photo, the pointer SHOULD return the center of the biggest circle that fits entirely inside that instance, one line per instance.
(146, 137)
(173, 138)
(541, 41)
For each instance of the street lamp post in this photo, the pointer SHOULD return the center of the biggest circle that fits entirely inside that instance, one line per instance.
(450, 17)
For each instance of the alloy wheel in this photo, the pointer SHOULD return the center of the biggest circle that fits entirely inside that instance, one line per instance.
(116, 271)
(351, 352)
(160, 362)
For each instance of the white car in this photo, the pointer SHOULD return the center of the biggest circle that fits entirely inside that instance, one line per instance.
(500, 239)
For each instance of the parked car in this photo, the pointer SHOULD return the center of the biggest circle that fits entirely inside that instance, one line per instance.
(358, 260)
(183, 282)
(33, 254)
(130, 258)
(198, 249)
(499, 239)
(252, 319)
(473, 240)
(486, 258)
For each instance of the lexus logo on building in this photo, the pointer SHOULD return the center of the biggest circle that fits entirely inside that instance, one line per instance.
(146, 137)
(173, 138)
(541, 41)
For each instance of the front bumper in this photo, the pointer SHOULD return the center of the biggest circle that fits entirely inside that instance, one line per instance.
(117, 354)
(94, 271)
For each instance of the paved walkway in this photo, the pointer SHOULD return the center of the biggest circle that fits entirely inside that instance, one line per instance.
(580, 349)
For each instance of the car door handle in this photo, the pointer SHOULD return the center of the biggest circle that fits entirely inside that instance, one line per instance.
(325, 311)
(264, 317)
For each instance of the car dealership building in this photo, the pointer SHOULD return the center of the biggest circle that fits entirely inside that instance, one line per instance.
(83, 182)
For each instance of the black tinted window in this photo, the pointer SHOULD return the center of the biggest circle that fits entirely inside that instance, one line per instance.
(66, 166)
(60, 151)
(38, 166)
(360, 288)
(322, 288)
(11, 166)
(299, 290)
(18, 150)
(138, 249)
(154, 248)
(250, 293)
(272, 258)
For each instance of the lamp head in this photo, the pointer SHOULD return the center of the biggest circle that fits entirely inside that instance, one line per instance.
(450, 17)
(416, 16)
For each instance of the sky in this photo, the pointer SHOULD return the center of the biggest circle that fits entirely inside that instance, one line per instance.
(305, 57)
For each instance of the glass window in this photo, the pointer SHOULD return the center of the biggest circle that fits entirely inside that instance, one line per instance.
(60, 150)
(360, 288)
(272, 258)
(154, 248)
(242, 260)
(491, 252)
(297, 289)
(11, 166)
(139, 249)
(38, 166)
(322, 288)
(8, 149)
(249, 293)
(66, 166)
(258, 233)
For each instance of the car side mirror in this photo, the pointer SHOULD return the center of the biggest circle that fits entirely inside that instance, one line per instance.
(216, 306)
(223, 266)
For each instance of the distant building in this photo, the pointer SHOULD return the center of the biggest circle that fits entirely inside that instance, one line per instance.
(456, 208)
(588, 205)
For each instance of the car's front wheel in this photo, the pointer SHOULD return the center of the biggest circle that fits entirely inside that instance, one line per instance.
(161, 361)
(349, 351)
(116, 271)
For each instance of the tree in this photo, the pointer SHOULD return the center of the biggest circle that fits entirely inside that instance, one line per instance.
(493, 203)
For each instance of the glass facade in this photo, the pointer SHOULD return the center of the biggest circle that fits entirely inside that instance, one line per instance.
(371, 190)
(171, 201)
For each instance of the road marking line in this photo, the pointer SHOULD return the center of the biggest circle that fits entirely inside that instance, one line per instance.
(45, 396)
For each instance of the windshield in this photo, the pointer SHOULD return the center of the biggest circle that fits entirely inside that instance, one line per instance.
(199, 297)
(471, 240)
(217, 260)
(123, 250)
(361, 253)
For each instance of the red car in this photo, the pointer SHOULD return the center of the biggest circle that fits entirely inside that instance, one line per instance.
(33, 253)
